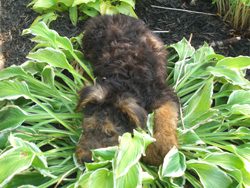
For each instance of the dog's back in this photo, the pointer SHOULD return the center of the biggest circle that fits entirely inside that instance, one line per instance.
(127, 57)
(129, 64)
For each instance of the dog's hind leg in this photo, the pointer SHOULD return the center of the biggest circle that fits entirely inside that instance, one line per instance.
(165, 124)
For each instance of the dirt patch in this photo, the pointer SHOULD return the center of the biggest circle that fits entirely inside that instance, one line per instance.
(204, 27)
(15, 17)
(64, 26)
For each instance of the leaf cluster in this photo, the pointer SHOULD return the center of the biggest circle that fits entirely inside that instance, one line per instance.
(81, 9)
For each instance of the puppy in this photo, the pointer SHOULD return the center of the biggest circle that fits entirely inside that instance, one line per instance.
(129, 63)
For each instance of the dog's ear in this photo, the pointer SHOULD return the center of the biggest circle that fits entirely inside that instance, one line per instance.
(91, 94)
(134, 111)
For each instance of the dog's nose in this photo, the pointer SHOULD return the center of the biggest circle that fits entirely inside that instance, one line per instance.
(83, 155)
(87, 160)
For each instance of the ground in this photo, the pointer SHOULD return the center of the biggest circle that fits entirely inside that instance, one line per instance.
(15, 17)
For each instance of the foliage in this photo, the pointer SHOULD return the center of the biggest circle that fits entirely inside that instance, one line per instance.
(79, 9)
(237, 12)
(39, 127)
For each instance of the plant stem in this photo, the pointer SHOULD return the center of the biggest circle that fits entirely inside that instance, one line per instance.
(53, 115)
(41, 116)
(82, 65)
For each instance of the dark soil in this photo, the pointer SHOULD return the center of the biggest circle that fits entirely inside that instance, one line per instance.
(204, 28)
(15, 17)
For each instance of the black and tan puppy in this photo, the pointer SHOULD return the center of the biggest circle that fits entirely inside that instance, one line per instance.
(130, 67)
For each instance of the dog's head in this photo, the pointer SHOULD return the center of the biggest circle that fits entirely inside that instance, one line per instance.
(107, 116)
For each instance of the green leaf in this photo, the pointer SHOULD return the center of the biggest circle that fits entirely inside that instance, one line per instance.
(184, 49)
(46, 18)
(240, 62)
(243, 152)
(174, 164)
(73, 15)
(200, 103)
(239, 97)
(189, 137)
(215, 57)
(95, 5)
(13, 162)
(131, 179)
(12, 90)
(33, 67)
(51, 56)
(147, 178)
(232, 76)
(129, 151)
(130, 2)
(68, 3)
(48, 76)
(201, 54)
(39, 161)
(229, 162)
(178, 182)
(11, 117)
(241, 109)
(83, 180)
(126, 9)
(27, 186)
(242, 133)
(11, 72)
(101, 178)
(89, 11)
(125, 166)
(204, 118)
(46, 35)
(104, 154)
(40, 5)
(78, 2)
(3, 140)
(29, 178)
(225, 91)
(210, 175)
(96, 165)
(150, 123)
(107, 8)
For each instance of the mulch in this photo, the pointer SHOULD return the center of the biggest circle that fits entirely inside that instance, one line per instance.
(15, 17)
(204, 28)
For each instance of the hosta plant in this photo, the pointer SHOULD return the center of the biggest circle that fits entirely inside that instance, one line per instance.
(79, 9)
(40, 128)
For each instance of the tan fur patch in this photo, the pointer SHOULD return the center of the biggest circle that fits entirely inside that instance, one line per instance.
(153, 42)
(97, 94)
(109, 129)
(165, 125)
(130, 107)
(90, 123)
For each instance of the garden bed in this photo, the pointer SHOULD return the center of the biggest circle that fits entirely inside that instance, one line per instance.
(176, 24)
(40, 128)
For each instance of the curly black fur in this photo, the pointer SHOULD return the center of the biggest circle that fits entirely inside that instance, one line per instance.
(124, 62)
(129, 63)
